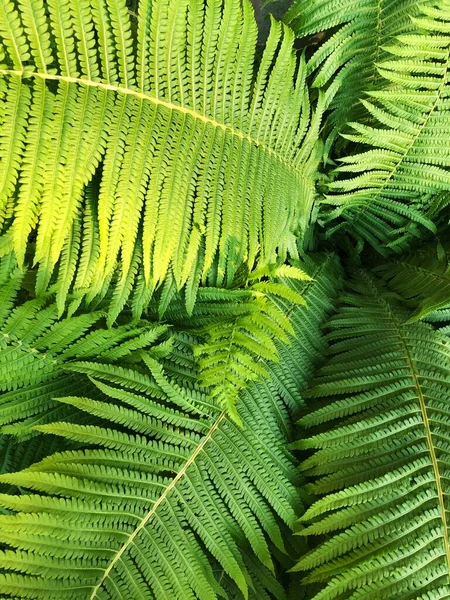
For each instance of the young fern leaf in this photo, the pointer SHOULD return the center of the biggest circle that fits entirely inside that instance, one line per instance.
(237, 329)
(167, 497)
(233, 349)
(381, 456)
(359, 30)
(199, 158)
(381, 189)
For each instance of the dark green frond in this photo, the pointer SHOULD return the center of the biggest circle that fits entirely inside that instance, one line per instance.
(15, 455)
(37, 350)
(381, 458)
(421, 278)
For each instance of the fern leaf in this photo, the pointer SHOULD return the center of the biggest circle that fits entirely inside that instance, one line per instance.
(233, 346)
(163, 495)
(37, 349)
(186, 140)
(381, 189)
(356, 34)
(422, 279)
(170, 519)
(381, 458)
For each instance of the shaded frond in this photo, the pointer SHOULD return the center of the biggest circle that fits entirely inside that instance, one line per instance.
(15, 455)
(381, 458)
(241, 333)
(37, 348)
(356, 34)
(383, 189)
(421, 278)
(201, 161)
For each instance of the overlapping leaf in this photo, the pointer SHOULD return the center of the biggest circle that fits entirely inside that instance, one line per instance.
(352, 37)
(394, 184)
(167, 498)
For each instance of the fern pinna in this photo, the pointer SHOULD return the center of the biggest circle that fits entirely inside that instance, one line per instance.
(221, 233)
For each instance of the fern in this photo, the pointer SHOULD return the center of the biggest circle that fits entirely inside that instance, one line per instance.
(164, 174)
(381, 464)
(37, 351)
(357, 34)
(154, 504)
(387, 186)
(231, 354)
(199, 160)
(422, 279)
(15, 455)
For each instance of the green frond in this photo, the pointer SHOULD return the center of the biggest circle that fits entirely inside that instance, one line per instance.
(391, 185)
(381, 458)
(198, 157)
(422, 279)
(349, 39)
(238, 330)
(15, 456)
(165, 497)
(37, 350)
(231, 354)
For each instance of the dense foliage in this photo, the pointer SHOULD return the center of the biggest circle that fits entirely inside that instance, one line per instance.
(224, 299)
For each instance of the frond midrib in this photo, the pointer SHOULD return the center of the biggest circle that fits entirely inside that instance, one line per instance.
(432, 451)
(25, 73)
(191, 460)
(181, 473)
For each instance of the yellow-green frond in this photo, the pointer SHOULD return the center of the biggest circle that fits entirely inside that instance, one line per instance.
(198, 155)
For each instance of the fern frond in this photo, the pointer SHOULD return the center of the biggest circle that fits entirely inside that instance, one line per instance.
(381, 460)
(167, 497)
(386, 187)
(422, 279)
(15, 455)
(357, 33)
(199, 159)
(37, 349)
(237, 329)
(162, 521)
(231, 354)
